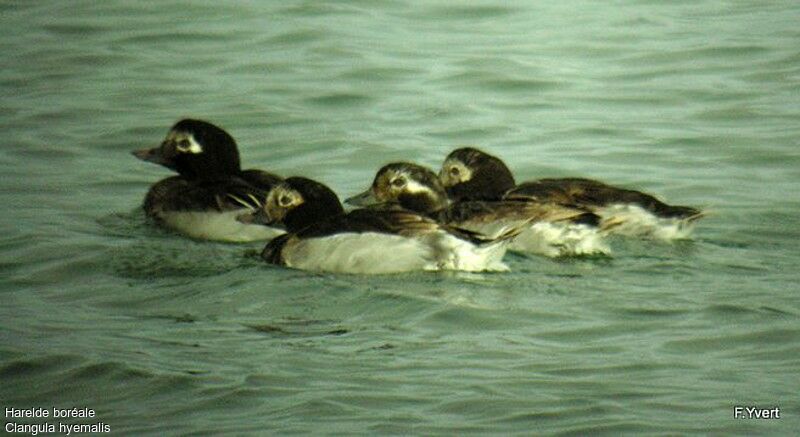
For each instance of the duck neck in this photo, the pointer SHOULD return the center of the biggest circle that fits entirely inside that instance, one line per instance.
(423, 203)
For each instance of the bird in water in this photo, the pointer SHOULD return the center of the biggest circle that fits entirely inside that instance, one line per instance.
(471, 174)
(548, 228)
(321, 236)
(210, 190)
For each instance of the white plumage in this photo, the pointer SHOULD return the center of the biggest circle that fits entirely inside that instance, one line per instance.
(380, 253)
(635, 221)
(219, 226)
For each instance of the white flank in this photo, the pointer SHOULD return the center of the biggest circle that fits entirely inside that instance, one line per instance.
(453, 253)
(633, 220)
(377, 253)
(360, 253)
(549, 239)
(218, 226)
(560, 239)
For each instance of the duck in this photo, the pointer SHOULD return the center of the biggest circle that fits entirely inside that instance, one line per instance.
(320, 236)
(549, 228)
(210, 190)
(468, 173)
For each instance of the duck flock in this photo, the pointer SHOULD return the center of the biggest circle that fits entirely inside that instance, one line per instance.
(410, 218)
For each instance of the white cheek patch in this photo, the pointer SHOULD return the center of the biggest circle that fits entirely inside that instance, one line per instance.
(193, 147)
(464, 173)
(185, 143)
(274, 197)
(296, 198)
(414, 187)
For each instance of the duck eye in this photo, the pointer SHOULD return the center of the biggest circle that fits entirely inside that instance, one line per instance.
(398, 182)
(183, 145)
(454, 171)
(285, 200)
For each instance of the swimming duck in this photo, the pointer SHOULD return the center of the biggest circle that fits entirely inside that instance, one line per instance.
(322, 237)
(210, 190)
(471, 174)
(550, 229)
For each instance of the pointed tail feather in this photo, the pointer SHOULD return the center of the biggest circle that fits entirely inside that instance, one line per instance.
(503, 236)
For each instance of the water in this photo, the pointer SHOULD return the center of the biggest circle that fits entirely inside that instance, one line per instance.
(697, 102)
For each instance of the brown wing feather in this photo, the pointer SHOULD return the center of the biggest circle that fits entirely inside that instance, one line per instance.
(591, 194)
(524, 209)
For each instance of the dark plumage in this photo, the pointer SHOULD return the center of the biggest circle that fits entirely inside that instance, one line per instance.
(487, 177)
(319, 232)
(469, 173)
(587, 192)
(417, 188)
(210, 181)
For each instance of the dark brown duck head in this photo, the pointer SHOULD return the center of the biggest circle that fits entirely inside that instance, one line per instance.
(197, 150)
(471, 174)
(409, 185)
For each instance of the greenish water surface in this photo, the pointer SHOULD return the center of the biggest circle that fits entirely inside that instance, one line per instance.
(697, 102)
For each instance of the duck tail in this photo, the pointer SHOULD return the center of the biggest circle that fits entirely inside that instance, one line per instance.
(507, 234)
(587, 218)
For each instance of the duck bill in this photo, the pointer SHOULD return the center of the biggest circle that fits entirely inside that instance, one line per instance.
(364, 199)
(153, 155)
(255, 217)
